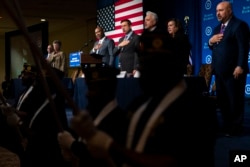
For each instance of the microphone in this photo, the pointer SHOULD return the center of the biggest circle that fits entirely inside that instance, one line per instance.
(89, 41)
(186, 19)
(86, 44)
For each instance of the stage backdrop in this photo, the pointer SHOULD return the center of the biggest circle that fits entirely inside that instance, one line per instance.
(201, 13)
(241, 10)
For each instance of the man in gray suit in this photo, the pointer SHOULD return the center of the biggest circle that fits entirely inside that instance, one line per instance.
(103, 47)
(128, 49)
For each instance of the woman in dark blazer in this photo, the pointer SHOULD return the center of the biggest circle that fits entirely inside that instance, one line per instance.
(180, 39)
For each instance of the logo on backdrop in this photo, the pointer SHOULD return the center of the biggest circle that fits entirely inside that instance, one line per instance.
(247, 89)
(208, 4)
(208, 59)
(249, 57)
(208, 31)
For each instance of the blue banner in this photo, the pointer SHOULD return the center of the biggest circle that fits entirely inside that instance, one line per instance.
(247, 87)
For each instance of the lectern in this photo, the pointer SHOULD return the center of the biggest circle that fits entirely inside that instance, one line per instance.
(91, 58)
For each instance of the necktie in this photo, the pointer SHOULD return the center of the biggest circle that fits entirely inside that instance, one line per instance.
(125, 38)
(222, 29)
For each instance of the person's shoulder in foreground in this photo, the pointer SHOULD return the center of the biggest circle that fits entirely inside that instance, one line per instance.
(8, 158)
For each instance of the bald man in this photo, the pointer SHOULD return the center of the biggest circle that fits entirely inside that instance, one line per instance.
(103, 47)
(230, 46)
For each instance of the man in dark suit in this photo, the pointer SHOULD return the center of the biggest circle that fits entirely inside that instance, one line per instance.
(103, 47)
(230, 46)
(128, 49)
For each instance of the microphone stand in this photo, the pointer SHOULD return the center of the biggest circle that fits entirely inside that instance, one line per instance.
(86, 44)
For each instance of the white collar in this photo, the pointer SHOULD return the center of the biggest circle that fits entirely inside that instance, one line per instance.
(152, 29)
(101, 40)
(226, 23)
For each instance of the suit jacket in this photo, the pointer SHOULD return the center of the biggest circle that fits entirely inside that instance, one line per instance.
(128, 55)
(58, 60)
(233, 49)
(106, 51)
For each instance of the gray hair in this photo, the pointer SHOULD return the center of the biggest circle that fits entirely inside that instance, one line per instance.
(154, 15)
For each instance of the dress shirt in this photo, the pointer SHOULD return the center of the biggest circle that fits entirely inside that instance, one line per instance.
(127, 36)
(100, 41)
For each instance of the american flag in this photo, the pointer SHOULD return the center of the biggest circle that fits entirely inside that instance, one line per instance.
(110, 16)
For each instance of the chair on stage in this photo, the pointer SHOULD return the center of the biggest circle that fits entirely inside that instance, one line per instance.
(201, 83)
(206, 72)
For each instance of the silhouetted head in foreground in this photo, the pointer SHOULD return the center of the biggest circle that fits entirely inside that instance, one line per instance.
(101, 81)
(159, 65)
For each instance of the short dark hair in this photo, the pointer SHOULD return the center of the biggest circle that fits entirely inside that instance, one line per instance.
(100, 28)
(126, 20)
(177, 24)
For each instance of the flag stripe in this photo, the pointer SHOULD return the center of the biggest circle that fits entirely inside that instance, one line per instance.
(126, 15)
(122, 9)
(132, 8)
(133, 20)
(122, 2)
(134, 24)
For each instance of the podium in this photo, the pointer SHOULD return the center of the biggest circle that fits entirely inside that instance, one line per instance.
(91, 58)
